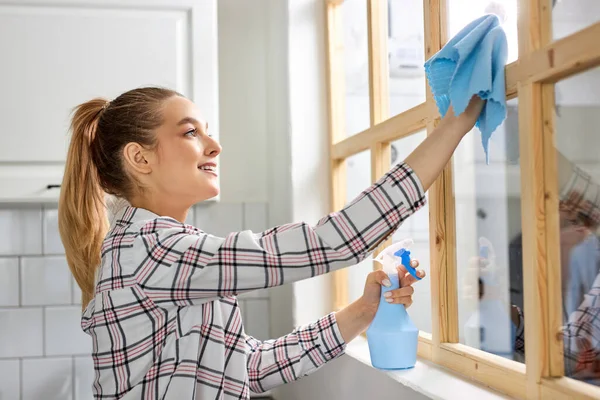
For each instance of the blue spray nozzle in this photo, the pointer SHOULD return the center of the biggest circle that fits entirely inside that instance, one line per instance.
(404, 256)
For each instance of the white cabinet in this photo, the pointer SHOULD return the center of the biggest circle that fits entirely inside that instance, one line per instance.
(57, 54)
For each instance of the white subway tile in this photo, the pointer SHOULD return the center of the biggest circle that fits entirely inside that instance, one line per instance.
(10, 380)
(20, 231)
(255, 217)
(45, 281)
(22, 332)
(64, 335)
(219, 218)
(50, 236)
(48, 379)
(84, 378)
(9, 282)
(257, 322)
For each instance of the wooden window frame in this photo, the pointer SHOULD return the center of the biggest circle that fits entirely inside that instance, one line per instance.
(542, 62)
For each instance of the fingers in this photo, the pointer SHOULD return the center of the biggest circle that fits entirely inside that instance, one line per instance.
(407, 279)
(379, 277)
(400, 296)
(402, 269)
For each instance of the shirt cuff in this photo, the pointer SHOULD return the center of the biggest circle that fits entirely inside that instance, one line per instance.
(330, 339)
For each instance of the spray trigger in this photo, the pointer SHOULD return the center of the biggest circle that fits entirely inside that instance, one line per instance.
(405, 257)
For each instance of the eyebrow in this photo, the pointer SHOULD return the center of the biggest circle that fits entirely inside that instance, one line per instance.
(195, 122)
(190, 120)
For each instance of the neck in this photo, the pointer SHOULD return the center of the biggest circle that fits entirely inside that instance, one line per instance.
(163, 208)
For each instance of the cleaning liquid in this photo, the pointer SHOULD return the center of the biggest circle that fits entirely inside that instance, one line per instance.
(392, 336)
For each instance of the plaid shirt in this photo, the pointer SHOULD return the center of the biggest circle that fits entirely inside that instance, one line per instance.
(165, 322)
(581, 332)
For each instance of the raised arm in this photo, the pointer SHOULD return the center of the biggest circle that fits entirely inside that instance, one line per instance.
(187, 268)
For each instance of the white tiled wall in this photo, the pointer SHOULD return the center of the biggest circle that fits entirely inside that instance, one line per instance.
(43, 351)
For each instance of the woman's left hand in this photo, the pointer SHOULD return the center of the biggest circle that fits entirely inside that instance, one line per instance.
(403, 295)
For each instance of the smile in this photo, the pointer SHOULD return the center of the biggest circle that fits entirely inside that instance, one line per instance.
(209, 167)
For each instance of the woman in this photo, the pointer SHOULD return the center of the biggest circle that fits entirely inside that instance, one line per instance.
(159, 295)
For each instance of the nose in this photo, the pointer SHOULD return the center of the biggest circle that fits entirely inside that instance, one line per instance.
(212, 148)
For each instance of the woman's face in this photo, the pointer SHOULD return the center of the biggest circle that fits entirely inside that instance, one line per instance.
(185, 159)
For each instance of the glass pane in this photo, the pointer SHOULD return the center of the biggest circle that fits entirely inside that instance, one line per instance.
(462, 12)
(571, 16)
(578, 155)
(356, 66)
(416, 228)
(406, 48)
(358, 169)
(488, 236)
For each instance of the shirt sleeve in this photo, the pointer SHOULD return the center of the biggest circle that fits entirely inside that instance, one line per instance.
(183, 268)
(581, 337)
(275, 362)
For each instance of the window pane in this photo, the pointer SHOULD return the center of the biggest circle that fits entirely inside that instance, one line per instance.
(356, 65)
(358, 169)
(406, 56)
(462, 12)
(416, 228)
(571, 16)
(578, 156)
(488, 238)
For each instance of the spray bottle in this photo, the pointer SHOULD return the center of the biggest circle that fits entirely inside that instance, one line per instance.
(392, 336)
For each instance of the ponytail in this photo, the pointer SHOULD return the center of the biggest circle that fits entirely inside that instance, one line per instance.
(82, 219)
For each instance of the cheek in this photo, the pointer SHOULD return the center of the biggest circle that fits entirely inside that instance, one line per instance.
(183, 154)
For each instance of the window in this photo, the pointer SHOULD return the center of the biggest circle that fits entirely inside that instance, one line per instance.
(405, 44)
(487, 202)
(577, 124)
(356, 65)
(527, 248)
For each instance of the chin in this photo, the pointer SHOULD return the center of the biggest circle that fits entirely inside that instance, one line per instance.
(208, 193)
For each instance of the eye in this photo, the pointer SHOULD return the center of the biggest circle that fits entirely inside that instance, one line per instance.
(191, 132)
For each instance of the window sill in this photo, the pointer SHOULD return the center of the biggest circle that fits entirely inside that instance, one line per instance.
(427, 378)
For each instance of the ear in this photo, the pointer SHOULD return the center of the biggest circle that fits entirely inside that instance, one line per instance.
(137, 158)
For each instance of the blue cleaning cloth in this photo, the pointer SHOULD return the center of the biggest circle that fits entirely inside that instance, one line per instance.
(472, 63)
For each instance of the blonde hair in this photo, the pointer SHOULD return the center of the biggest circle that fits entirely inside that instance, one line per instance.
(94, 168)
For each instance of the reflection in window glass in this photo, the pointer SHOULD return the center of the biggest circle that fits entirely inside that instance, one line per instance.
(488, 236)
(578, 164)
(406, 56)
(356, 65)
(462, 12)
(416, 228)
(358, 174)
(569, 17)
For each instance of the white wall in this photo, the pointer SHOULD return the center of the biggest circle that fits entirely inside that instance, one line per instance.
(42, 348)
(243, 99)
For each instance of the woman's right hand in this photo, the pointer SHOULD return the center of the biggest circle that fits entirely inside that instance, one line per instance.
(465, 121)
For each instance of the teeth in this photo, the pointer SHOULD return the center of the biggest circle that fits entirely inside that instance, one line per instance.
(207, 168)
